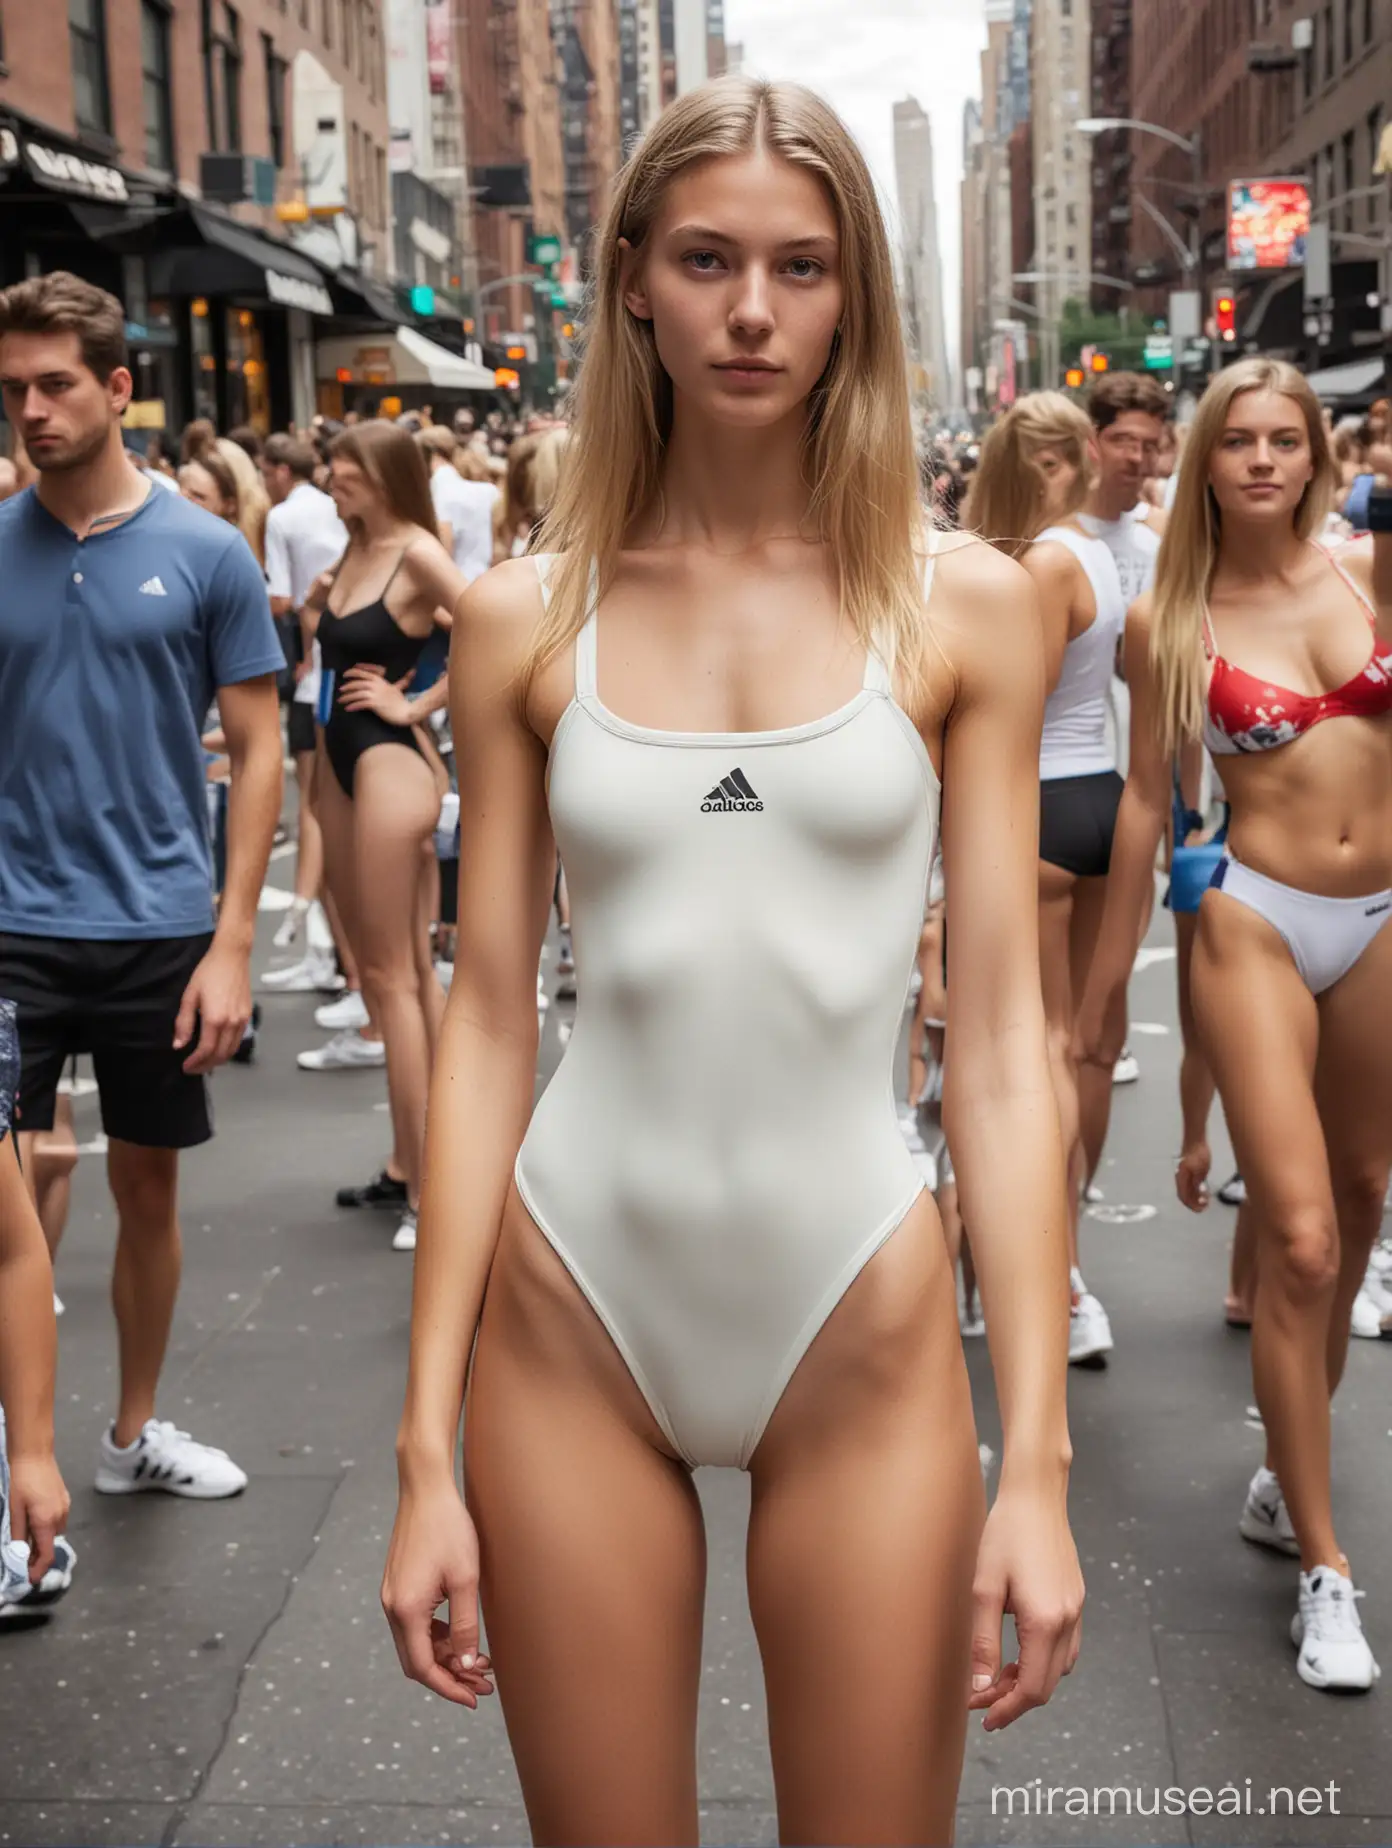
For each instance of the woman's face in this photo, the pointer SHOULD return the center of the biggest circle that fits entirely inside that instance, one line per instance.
(198, 486)
(1060, 474)
(353, 494)
(740, 277)
(1262, 464)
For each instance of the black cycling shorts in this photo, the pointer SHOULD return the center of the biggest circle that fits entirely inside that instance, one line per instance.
(118, 1002)
(1077, 819)
(300, 727)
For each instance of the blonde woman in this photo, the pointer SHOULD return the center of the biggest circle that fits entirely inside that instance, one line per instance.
(253, 502)
(1036, 468)
(1279, 655)
(720, 690)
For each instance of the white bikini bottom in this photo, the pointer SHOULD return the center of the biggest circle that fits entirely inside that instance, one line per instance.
(1325, 936)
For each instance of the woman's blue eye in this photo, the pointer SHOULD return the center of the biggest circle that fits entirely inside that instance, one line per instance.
(700, 260)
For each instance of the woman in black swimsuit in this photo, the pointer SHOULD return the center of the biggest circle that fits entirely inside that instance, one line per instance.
(378, 780)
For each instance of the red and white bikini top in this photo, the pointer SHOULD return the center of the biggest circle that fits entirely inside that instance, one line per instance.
(1247, 713)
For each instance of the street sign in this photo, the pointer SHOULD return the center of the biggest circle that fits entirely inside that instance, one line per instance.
(1159, 353)
(543, 249)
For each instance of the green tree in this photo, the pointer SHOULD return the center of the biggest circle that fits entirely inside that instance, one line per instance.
(1122, 340)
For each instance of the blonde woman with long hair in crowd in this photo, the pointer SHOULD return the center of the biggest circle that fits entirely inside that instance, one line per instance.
(1279, 655)
(378, 781)
(253, 502)
(734, 687)
(1032, 483)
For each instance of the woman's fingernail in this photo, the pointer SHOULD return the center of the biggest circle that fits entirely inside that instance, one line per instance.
(980, 1682)
(466, 1662)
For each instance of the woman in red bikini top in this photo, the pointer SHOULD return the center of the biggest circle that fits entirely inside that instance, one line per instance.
(1280, 656)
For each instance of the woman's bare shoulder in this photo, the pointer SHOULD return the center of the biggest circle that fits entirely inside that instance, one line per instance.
(985, 610)
(979, 579)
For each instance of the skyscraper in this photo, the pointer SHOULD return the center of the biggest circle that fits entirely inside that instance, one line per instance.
(922, 270)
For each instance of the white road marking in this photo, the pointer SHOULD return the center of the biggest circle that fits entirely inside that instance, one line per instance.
(1121, 1215)
(1155, 1027)
(1150, 955)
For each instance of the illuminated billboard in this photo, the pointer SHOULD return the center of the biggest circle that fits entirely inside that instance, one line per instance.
(1267, 224)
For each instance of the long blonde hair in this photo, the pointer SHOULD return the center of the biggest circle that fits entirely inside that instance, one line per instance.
(859, 459)
(1006, 503)
(1189, 551)
(253, 502)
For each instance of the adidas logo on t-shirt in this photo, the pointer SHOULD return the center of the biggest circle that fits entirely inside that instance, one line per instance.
(153, 588)
(731, 792)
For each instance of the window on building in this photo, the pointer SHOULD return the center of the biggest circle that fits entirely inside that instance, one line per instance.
(222, 75)
(1374, 144)
(91, 92)
(154, 77)
(1369, 20)
(1328, 31)
(275, 99)
(1347, 180)
(327, 22)
(1348, 31)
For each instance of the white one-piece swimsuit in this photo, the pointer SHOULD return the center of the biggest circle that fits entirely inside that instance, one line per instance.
(718, 1154)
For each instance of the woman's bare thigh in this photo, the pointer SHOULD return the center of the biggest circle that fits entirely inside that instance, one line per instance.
(867, 1513)
(592, 1561)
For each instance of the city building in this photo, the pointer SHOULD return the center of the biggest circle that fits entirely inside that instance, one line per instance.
(1061, 68)
(156, 150)
(919, 252)
(1111, 150)
(587, 63)
(998, 224)
(640, 69)
(428, 155)
(692, 35)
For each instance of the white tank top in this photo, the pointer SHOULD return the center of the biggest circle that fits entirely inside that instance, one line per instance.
(1133, 542)
(1074, 741)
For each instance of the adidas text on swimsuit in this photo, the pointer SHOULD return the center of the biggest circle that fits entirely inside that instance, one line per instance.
(731, 792)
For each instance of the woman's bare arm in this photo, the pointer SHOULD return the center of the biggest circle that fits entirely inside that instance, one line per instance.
(1141, 820)
(1055, 573)
(1002, 1121)
(481, 1092)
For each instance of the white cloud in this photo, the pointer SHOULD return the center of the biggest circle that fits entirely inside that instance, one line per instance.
(863, 56)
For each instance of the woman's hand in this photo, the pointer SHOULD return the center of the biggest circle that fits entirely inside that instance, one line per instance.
(1191, 1176)
(433, 1560)
(1099, 1030)
(38, 1508)
(1027, 1565)
(366, 688)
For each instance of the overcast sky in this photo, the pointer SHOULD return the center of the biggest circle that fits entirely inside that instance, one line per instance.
(863, 56)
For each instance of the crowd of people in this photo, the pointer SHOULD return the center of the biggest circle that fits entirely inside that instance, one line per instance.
(774, 703)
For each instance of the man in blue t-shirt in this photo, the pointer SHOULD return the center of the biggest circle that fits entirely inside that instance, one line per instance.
(123, 612)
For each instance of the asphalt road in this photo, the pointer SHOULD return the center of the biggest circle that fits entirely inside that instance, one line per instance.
(221, 1673)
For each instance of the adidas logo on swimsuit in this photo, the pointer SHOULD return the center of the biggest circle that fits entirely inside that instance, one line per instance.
(731, 792)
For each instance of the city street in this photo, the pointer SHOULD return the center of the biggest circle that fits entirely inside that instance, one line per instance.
(221, 1673)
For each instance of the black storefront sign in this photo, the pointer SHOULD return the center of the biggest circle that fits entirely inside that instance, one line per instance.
(56, 168)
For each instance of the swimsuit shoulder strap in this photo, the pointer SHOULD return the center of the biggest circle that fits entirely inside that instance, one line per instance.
(586, 642)
(400, 560)
(879, 659)
(1354, 586)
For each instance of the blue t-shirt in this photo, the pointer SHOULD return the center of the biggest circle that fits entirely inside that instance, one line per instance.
(111, 651)
(1356, 506)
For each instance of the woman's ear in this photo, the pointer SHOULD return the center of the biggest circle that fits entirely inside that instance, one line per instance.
(631, 290)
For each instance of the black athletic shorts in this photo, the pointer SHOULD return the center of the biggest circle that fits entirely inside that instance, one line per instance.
(119, 1002)
(1077, 819)
(301, 726)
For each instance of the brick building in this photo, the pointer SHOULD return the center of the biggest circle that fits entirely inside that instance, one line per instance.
(107, 112)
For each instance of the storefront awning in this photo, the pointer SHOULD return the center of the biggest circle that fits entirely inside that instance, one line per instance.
(406, 358)
(214, 256)
(364, 298)
(1361, 379)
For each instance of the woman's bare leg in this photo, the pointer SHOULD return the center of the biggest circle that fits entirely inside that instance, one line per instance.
(1056, 893)
(866, 1518)
(1353, 1088)
(592, 1558)
(309, 851)
(54, 1156)
(1260, 1030)
(394, 811)
(432, 996)
(1094, 1085)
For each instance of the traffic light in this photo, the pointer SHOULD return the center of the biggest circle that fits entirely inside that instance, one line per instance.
(1073, 378)
(1225, 317)
(1100, 362)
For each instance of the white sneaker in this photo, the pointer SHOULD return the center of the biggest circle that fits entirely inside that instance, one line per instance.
(1381, 1260)
(58, 1305)
(1127, 1068)
(348, 1012)
(1377, 1287)
(444, 973)
(1089, 1331)
(167, 1460)
(1265, 1521)
(404, 1237)
(1334, 1652)
(1366, 1321)
(313, 974)
(345, 1052)
(291, 925)
(543, 999)
(1093, 1194)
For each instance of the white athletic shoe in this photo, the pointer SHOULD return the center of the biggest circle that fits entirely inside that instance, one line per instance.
(313, 974)
(169, 1461)
(1366, 1322)
(348, 1013)
(1127, 1068)
(345, 1052)
(1265, 1521)
(404, 1237)
(291, 925)
(1377, 1287)
(1334, 1652)
(543, 999)
(1089, 1331)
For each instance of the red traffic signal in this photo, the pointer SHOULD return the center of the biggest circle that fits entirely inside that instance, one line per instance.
(1225, 317)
